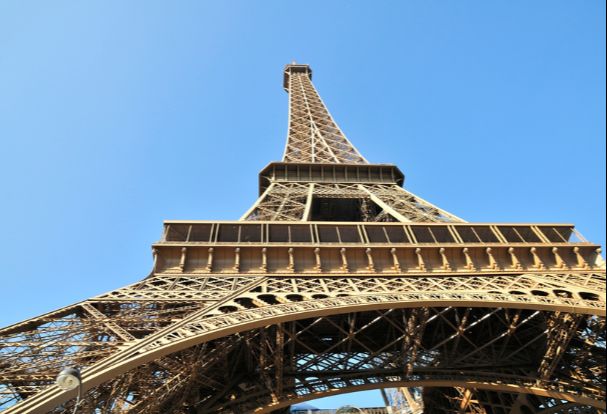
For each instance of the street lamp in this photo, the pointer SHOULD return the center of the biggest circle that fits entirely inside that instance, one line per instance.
(68, 379)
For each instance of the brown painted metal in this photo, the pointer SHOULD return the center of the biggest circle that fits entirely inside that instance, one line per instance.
(290, 304)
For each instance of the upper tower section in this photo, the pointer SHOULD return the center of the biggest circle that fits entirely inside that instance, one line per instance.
(322, 177)
(313, 135)
(295, 69)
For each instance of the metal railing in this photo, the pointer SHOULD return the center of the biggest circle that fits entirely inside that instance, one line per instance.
(368, 233)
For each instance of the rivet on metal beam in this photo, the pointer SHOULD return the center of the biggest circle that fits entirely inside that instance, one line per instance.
(184, 251)
(237, 259)
(492, 262)
(318, 266)
(395, 263)
(446, 265)
(537, 262)
(264, 260)
(558, 258)
(469, 262)
(210, 260)
(344, 259)
(516, 263)
(371, 265)
(291, 267)
(155, 257)
(581, 262)
(420, 260)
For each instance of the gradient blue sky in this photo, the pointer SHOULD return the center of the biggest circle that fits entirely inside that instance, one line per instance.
(116, 115)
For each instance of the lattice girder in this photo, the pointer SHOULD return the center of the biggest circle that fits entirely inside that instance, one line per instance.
(313, 134)
(336, 280)
(351, 359)
(468, 400)
(278, 300)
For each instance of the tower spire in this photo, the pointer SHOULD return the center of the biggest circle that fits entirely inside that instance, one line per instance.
(313, 134)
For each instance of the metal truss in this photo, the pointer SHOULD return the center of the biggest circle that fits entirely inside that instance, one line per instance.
(291, 303)
(313, 134)
(441, 334)
(315, 138)
(291, 201)
(468, 400)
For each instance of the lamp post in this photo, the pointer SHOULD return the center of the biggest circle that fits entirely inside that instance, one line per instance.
(68, 379)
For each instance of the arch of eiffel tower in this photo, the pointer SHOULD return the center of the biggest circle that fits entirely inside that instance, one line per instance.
(336, 280)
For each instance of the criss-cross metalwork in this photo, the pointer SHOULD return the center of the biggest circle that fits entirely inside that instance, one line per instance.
(313, 137)
(336, 280)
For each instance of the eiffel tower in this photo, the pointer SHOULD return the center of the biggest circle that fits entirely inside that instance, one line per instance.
(336, 280)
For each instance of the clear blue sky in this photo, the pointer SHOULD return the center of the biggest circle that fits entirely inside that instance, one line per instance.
(117, 115)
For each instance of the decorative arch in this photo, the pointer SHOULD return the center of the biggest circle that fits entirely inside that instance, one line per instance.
(212, 324)
(574, 400)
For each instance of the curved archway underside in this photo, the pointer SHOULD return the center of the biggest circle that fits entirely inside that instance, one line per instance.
(366, 350)
(281, 340)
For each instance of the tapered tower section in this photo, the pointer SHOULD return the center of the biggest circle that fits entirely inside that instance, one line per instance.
(323, 177)
(335, 280)
(313, 137)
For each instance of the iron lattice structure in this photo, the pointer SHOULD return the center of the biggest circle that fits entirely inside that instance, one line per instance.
(336, 280)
